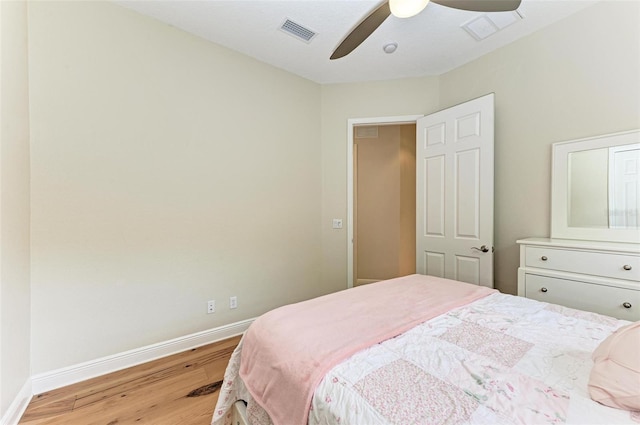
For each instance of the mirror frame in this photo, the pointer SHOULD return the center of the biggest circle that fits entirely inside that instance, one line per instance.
(559, 189)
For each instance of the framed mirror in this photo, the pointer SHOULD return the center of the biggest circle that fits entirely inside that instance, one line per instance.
(595, 188)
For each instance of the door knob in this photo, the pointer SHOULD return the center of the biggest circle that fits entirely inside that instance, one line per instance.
(483, 248)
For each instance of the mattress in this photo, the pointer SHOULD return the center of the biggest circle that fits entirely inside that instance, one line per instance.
(499, 360)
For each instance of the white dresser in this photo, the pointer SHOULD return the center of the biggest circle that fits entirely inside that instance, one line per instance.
(602, 277)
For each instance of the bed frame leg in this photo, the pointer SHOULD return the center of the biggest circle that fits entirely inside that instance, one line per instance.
(240, 413)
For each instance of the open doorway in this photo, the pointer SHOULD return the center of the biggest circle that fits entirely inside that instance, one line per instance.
(456, 166)
(384, 201)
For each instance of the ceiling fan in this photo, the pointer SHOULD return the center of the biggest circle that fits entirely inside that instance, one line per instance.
(408, 8)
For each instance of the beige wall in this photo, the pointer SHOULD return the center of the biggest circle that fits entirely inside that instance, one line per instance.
(573, 79)
(576, 78)
(407, 254)
(14, 203)
(167, 171)
(384, 203)
(377, 198)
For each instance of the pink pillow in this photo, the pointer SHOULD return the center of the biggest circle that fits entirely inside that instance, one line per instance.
(615, 377)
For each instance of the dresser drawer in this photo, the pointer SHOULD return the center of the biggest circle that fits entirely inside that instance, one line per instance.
(608, 300)
(617, 266)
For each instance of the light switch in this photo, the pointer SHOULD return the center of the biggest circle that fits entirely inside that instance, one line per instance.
(337, 223)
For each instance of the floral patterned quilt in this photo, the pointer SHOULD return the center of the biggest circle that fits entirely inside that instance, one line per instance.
(499, 360)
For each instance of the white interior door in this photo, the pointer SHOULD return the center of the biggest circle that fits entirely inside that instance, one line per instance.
(454, 192)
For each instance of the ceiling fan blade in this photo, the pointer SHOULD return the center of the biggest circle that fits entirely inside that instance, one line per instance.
(481, 5)
(362, 31)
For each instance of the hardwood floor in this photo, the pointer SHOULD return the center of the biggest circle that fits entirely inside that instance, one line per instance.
(169, 391)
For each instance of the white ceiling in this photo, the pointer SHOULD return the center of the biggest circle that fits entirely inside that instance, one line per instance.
(430, 43)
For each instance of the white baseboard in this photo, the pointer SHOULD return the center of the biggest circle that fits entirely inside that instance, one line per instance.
(81, 372)
(18, 406)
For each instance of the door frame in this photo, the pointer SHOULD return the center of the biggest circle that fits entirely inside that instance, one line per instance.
(351, 124)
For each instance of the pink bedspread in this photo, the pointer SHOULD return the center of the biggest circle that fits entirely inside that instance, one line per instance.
(287, 351)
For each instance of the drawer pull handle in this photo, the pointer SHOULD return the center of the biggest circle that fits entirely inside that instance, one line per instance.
(544, 258)
(626, 305)
(543, 289)
(627, 267)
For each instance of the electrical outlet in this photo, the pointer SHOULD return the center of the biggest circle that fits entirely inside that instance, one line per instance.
(233, 302)
(211, 307)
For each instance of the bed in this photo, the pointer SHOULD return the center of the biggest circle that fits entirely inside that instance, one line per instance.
(427, 350)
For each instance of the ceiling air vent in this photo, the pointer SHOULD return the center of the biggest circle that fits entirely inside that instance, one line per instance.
(297, 30)
(490, 23)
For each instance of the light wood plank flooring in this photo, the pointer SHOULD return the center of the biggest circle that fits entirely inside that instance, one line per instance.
(156, 393)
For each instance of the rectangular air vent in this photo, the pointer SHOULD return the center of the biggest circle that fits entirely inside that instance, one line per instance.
(490, 23)
(367, 132)
(297, 30)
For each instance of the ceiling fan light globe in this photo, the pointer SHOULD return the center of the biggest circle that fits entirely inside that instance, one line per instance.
(407, 8)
